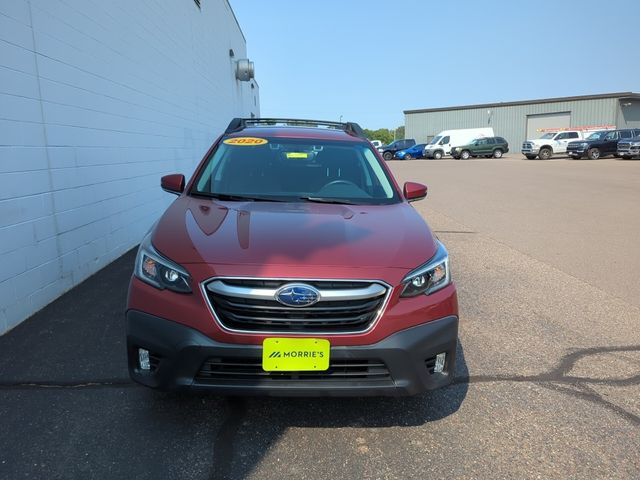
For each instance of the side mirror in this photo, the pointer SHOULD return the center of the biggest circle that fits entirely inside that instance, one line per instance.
(414, 191)
(173, 183)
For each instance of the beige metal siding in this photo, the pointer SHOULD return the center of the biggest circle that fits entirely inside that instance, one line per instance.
(510, 122)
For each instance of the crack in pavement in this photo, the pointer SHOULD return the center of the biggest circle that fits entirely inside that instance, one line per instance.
(29, 385)
(557, 379)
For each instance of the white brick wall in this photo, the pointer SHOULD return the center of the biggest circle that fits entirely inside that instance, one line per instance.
(98, 99)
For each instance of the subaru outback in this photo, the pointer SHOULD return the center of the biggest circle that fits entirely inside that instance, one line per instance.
(292, 263)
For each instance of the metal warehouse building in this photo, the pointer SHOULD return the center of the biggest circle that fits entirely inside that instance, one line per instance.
(518, 121)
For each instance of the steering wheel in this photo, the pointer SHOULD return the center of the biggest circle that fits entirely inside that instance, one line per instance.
(339, 182)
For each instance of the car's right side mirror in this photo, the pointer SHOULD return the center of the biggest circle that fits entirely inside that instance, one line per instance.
(414, 191)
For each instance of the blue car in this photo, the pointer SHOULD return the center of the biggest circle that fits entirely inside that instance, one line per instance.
(412, 152)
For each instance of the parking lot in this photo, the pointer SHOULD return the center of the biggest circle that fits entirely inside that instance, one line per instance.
(545, 256)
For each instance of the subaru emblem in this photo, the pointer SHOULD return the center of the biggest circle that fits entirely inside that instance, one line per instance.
(297, 295)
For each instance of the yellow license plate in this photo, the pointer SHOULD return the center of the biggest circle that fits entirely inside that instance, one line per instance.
(295, 354)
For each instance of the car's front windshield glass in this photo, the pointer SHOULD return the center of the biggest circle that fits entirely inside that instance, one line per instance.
(597, 135)
(435, 140)
(547, 136)
(295, 170)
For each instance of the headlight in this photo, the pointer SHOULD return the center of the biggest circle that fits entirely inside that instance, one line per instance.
(154, 269)
(430, 277)
(584, 145)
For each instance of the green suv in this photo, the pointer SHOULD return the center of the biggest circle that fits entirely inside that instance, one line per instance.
(485, 146)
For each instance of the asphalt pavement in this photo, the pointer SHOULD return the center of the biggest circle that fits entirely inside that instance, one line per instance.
(548, 382)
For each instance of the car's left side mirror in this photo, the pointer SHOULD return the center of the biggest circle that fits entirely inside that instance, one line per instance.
(414, 191)
(173, 183)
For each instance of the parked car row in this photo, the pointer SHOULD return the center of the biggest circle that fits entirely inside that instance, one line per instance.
(578, 142)
(460, 143)
(584, 142)
(600, 144)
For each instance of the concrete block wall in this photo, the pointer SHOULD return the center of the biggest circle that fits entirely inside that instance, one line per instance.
(97, 101)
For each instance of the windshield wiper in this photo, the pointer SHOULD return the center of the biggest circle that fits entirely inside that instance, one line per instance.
(236, 198)
(338, 201)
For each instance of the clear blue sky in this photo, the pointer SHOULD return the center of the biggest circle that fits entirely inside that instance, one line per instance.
(369, 60)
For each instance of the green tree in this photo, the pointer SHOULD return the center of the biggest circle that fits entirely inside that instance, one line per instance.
(400, 132)
(383, 134)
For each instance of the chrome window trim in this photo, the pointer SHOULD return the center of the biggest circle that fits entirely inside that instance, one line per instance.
(389, 289)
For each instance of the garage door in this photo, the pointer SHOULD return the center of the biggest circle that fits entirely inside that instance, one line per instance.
(546, 120)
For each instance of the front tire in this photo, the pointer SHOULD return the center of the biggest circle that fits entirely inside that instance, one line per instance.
(594, 153)
(497, 153)
(387, 156)
(437, 155)
(465, 154)
(408, 157)
(545, 153)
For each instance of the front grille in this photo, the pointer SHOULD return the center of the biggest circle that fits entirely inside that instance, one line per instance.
(624, 147)
(231, 370)
(527, 146)
(250, 305)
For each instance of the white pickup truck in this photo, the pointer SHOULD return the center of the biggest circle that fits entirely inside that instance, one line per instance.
(550, 143)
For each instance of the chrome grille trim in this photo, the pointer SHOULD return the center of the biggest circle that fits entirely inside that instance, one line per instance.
(372, 291)
(385, 290)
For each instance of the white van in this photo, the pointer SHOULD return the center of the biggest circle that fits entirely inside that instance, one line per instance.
(441, 144)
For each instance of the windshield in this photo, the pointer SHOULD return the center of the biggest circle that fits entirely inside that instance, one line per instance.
(597, 135)
(435, 140)
(295, 170)
(547, 136)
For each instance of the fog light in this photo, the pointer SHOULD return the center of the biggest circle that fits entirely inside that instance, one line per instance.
(440, 359)
(143, 359)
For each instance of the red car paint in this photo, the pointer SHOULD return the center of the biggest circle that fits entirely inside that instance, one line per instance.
(293, 240)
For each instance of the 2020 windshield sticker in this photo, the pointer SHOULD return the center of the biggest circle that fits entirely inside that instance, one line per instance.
(245, 141)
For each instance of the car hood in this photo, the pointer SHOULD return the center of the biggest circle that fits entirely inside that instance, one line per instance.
(194, 230)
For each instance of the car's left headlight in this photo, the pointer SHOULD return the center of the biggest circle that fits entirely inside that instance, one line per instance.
(430, 277)
(156, 270)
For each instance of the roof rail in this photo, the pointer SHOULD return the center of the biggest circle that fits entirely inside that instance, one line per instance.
(238, 124)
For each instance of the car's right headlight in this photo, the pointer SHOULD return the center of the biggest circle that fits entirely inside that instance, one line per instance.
(156, 270)
(430, 277)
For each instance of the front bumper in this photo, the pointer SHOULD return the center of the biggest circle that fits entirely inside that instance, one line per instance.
(629, 151)
(179, 353)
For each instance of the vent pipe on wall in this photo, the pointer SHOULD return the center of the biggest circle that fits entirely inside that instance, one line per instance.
(245, 70)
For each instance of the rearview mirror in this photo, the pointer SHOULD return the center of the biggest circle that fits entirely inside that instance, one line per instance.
(414, 191)
(173, 183)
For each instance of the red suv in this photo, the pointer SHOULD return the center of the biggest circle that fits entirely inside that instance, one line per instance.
(292, 264)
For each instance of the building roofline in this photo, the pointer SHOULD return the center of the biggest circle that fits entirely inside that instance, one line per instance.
(236, 19)
(528, 102)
